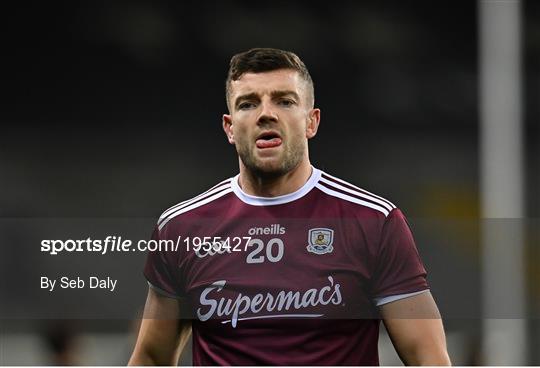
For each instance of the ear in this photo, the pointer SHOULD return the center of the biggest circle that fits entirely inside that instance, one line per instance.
(228, 127)
(313, 123)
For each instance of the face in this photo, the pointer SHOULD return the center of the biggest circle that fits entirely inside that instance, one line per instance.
(271, 121)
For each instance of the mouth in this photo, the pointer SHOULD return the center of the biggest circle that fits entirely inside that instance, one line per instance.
(269, 139)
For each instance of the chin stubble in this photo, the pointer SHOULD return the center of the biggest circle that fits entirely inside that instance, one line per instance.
(292, 157)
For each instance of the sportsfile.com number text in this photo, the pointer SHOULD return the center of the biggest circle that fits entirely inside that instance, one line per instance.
(217, 243)
(111, 244)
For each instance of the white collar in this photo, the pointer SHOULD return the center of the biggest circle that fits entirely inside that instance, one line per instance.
(272, 201)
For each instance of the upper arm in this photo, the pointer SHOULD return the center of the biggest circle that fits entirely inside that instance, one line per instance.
(398, 268)
(162, 334)
(416, 330)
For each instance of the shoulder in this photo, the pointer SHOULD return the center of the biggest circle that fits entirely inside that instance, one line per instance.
(206, 198)
(343, 190)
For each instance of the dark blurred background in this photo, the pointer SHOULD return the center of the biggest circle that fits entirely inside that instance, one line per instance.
(112, 109)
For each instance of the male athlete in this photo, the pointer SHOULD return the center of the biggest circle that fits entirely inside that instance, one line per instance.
(284, 264)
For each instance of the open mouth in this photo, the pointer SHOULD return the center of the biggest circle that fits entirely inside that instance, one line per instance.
(268, 140)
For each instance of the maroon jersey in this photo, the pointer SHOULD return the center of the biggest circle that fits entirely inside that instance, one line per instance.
(288, 280)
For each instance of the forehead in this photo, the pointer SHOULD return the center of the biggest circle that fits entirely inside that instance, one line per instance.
(266, 82)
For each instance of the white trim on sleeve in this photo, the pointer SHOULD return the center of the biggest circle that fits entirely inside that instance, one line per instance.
(163, 292)
(392, 298)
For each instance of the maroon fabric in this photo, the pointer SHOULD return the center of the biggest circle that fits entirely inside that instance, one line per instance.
(303, 309)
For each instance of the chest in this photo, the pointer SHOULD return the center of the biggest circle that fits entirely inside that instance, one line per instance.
(267, 268)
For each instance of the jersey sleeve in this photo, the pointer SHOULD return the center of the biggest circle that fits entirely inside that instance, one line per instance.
(398, 269)
(160, 272)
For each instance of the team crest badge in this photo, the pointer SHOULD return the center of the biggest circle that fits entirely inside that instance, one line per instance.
(320, 240)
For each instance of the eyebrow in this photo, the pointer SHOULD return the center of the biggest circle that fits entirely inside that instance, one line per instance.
(273, 94)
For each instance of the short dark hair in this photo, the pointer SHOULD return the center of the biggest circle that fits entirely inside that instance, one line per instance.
(259, 60)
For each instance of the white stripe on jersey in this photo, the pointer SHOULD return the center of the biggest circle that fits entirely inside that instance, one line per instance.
(360, 189)
(214, 189)
(357, 193)
(193, 206)
(353, 199)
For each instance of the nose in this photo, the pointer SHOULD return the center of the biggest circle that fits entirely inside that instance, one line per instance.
(268, 114)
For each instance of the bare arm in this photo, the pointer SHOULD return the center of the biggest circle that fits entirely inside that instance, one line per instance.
(162, 335)
(416, 330)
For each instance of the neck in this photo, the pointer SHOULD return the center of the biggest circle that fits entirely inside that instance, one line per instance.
(285, 184)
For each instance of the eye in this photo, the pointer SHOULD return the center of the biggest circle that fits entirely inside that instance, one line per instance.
(286, 102)
(246, 105)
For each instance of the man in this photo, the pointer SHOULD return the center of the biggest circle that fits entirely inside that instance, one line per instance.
(284, 264)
